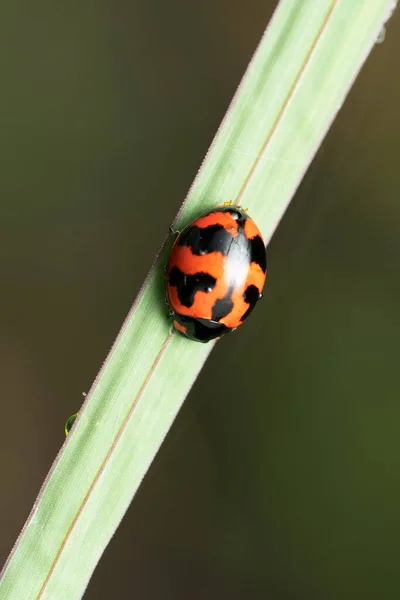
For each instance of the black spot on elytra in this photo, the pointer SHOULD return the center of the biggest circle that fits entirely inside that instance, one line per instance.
(222, 307)
(202, 330)
(188, 285)
(238, 215)
(258, 253)
(251, 296)
(208, 239)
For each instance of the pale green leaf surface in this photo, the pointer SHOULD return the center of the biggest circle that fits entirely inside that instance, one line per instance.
(292, 90)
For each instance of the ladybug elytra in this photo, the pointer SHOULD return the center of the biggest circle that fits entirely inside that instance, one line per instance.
(215, 273)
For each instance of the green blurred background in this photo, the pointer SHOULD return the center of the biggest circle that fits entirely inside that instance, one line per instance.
(280, 478)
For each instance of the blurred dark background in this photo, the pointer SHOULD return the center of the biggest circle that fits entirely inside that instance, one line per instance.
(281, 482)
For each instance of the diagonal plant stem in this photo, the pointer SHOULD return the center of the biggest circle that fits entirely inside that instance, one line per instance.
(285, 103)
(103, 465)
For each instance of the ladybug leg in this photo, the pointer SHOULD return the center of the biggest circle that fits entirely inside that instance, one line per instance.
(228, 203)
(173, 232)
(166, 298)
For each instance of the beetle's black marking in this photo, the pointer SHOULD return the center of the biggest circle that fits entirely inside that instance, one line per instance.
(213, 238)
(251, 295)
(238, 215)
(204, 330)
(222, 306)
(201, 330)
(257, 252)
(236, 212)
(188, 285)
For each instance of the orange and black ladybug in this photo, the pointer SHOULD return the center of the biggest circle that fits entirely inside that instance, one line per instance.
(216, 273)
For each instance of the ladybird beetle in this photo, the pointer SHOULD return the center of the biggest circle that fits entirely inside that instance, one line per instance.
(215, 273)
